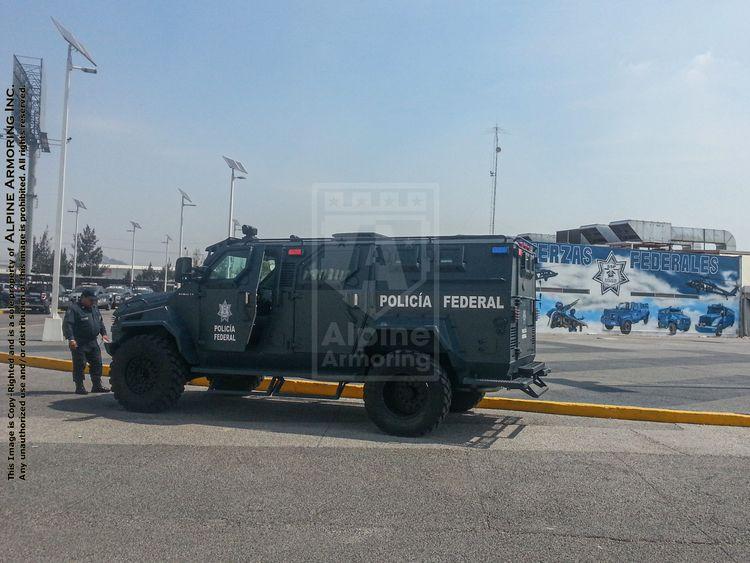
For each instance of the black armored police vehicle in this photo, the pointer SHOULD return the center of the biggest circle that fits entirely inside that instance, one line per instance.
(428, 324)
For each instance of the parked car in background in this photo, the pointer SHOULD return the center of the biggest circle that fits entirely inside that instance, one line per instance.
(625, 315)
(142, 289)
(673, 319)
(4, 294)
(39, 297)
(118, 294)
(102, 298)
(716, 319)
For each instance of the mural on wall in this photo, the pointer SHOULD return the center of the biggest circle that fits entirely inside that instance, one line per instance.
(600, 289)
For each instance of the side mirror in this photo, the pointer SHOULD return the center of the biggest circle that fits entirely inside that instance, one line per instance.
(182, 268)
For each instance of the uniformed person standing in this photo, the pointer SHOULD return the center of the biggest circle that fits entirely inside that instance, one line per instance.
(81, 327)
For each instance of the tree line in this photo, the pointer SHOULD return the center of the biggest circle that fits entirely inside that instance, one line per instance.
(88, 261)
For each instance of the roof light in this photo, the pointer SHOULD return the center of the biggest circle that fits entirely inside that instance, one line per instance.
(499, 250)
(294, 252)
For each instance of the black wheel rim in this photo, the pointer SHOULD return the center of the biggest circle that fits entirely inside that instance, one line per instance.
(140, 375)
(405, 398)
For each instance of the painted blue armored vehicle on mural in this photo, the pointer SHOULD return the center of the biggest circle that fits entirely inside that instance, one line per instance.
(716, 319)
(673, 319)
(564, 316)
(625, 315)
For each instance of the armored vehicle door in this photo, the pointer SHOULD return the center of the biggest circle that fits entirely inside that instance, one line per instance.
(229, 300)
(330, 307)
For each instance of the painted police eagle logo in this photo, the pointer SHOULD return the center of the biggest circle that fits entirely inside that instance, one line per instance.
(225, 311)
(611, 274)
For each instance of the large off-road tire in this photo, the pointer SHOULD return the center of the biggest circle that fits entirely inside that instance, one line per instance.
(148, 374)
(609, 327)
(625, 327)
(645, 319)
(719, 330)
(464, 401)
(672, 329)
(403, 406)
(234, 383)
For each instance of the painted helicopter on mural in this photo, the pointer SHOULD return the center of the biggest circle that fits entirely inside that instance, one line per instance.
(545, 275)
(564, 316)
(705, 285)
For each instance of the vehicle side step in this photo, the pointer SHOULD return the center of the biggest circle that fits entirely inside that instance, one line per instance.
(277, 382)
(532, 386)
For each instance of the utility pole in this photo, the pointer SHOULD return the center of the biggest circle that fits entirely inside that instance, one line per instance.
(79, 205)
(165, 242)
(493, 175)
(184, 202)
(136, 226)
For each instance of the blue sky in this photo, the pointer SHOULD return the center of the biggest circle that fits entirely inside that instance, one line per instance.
(614, 110)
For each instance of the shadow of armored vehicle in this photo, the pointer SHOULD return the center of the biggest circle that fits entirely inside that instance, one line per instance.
(625, 315)
(673, 319)
(716, 319)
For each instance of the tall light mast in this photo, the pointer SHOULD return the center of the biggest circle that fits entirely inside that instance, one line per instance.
(493, 175)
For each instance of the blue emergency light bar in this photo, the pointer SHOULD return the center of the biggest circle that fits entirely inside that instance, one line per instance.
(499, 250)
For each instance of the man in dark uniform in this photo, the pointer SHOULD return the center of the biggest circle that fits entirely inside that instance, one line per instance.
(81, 327)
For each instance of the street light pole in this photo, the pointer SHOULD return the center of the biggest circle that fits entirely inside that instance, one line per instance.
(132, 250)
(185, 202)
(53, 324)
(53, 329)
(166, 261)
(235, 165)
(231, 203)
(79, 205)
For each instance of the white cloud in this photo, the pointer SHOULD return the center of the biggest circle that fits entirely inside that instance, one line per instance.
(640, 68)
(700, 67)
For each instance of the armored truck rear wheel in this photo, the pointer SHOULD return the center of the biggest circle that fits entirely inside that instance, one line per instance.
(411, 407)
(463, 401)
(147, 374)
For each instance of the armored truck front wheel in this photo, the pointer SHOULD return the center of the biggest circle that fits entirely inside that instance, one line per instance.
(147, 374)
(403, 401)
(672, 329)
(464, 401)
(626, 327)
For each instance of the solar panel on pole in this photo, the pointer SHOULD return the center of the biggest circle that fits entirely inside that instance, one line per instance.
(71, 39)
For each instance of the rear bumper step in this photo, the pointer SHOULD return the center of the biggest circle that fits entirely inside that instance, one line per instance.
(529, 380)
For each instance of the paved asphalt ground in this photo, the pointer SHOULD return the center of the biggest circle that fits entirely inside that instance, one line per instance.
(683, 372)
(229, 477)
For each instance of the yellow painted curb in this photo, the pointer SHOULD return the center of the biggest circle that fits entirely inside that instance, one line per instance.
(304, 387)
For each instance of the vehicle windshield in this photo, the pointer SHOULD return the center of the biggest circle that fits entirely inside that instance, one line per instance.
(143, 290)
(116, 289)
(622, 306)
(82, 287)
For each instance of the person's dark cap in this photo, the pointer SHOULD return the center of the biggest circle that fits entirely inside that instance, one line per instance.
(88, 292)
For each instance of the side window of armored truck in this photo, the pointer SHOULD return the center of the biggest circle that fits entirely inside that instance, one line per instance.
(331, 268)
(448, 257)
(230, 266)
